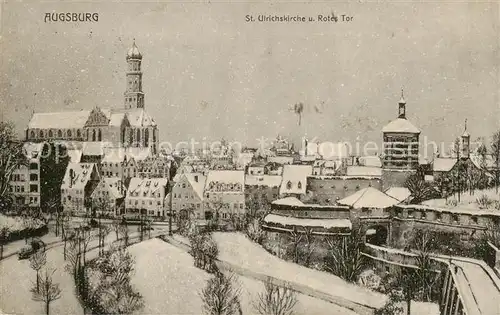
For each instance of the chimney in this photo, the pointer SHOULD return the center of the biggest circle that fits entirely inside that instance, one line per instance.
(196, 178)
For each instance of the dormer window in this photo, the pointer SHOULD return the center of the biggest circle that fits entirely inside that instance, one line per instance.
(289, 185)
(299, 185)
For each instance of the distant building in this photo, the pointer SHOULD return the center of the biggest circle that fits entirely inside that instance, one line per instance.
(79, 182)
(261, 190)
(326, 167)
(128, 126)
(146, 196)
(256, 168)
(187, 196)
(294, 181)
(224, 194)
(326, 190)
(281, 147)
(108, 197)
(24, 183)
(401, 149)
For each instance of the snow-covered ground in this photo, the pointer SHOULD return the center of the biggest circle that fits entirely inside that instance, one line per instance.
(16, 223)
(169, 282)
(236, 249)
(16, 279)
(467, 201)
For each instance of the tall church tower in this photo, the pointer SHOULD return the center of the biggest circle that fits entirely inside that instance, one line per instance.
(134, 97)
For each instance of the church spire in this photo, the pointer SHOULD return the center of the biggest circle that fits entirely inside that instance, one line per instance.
(402, 106)
(134, 97)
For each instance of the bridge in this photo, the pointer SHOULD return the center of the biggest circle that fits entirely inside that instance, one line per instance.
(470, 286)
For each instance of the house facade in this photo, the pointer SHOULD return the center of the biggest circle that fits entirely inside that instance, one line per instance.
(79, 182)
(146, 197)
(224, 194)
(108, 196)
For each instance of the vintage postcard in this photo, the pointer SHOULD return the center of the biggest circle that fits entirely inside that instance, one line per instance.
(250, 157)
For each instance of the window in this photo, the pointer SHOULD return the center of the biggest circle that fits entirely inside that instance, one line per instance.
(146, 138)
(99, 135)
(78, 133)
(41, 134)
(289, 185)
(59, 133)
(438, 216)
(455, 218)
(299, 185)
(32, 133)
(93, 135)
(50, 134)
(69, 133)
(33, 166)
(33, 188)
(138, 138)
(33, 177)
(473, 219)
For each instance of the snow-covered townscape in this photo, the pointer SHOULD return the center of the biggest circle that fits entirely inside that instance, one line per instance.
(250, 158)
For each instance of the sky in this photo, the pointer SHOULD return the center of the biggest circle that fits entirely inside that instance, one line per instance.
(208, 74)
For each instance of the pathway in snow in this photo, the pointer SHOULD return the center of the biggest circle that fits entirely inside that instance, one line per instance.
(170, 284)
(478, 288)
(16, 279)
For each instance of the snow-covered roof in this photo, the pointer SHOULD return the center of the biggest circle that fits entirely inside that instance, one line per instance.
(487, 161)
(116, 119)
(263, 180)
(292, 221)
(112, 184)
(280, 159)
(146, 186)
(197, 181)
(288, 201)
(295, 179)
(138, 154)
(230, 177)
(77, 175)
(94, 148)
(400, 125)
(369, 198)
(363, 171)
(443, 164)
(370, 161)
(59, 120)
(32, 150)
(140, 118)
(399, 193)
(472, 211)
(75, 155)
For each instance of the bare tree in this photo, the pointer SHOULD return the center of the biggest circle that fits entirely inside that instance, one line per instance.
(295, 239)
(114, 292)
(4, 235)
(254, 231)
(37, 261)
(124, 233)
(309, 246)
(48, 291)
(275, 300)
(12, 156)
(103, 231)
(221, 295)
(419, 188)
(344, 257)
(495, 150)
(116, 228)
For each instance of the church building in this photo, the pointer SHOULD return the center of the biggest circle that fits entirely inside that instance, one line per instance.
(129, 126)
